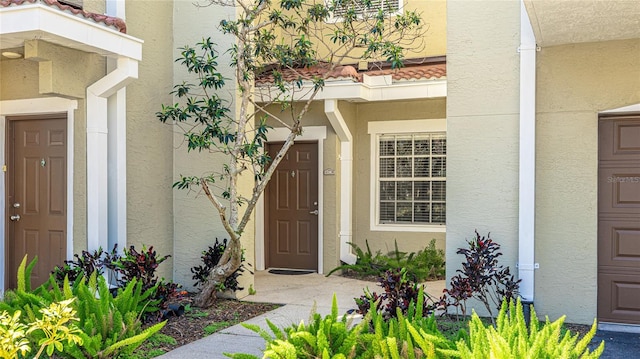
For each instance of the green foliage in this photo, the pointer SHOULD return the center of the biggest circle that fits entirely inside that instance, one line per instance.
(512, 339)
(411, 334)
(55, 328)
(214, 327)
(426, 264)
(149, 348)
(416, 336)
(131, 265)
(324, 337)
(109, 325)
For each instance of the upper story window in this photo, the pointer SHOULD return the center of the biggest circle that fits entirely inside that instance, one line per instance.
(365, 7)
(409, 176)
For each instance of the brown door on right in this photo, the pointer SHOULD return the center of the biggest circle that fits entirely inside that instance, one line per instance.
(619, 220)
(36, 194)
(291, 203)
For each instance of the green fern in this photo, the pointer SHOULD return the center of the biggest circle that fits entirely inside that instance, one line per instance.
(512, 339)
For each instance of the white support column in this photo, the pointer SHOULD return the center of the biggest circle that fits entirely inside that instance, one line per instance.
(117, 170)
(527, 184)
(346, 178)
(98, 153)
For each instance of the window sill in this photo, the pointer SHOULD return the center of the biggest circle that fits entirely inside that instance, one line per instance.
(430, 228)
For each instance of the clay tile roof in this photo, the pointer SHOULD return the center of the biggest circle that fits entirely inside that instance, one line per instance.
(109, 21)
(417, 72)
(349, 72)
(308, 73)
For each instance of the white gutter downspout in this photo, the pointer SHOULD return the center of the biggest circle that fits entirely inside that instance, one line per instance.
(97, 149)
(346, 178)
(527, 183)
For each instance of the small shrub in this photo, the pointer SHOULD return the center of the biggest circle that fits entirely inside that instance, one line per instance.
(210, 259)
(109, 325)
(55, 328)
(426, 264)
(481, 277)
(511, 338)
(132, 264)
(85, 264)
(328, 337)
(412, 336)
(399, 293)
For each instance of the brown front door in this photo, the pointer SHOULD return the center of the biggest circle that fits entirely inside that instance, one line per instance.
(291, 203)
(36, 194)
(619, 220)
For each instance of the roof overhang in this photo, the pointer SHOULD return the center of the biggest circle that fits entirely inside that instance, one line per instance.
(42, 22)
(373, 88)
(560, 22)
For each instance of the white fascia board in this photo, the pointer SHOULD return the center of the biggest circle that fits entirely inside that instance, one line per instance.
(42, 22)
(356, 91)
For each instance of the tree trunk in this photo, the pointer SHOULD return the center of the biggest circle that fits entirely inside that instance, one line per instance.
(229, 263)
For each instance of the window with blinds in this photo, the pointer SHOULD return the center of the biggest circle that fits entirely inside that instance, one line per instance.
(411, 178)
(365, 7)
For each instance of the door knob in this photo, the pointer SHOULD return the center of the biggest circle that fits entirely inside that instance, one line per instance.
(15, 217)
(16, 205)
(314, 212)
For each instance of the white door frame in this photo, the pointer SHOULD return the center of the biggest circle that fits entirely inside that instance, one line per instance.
(37, 106)
(310, 133)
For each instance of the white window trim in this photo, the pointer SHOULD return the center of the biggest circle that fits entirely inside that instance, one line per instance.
(33, 107)
(397, 127)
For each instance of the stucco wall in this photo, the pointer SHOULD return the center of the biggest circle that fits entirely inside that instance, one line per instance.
(386, 111)
(482, 125)
(149, 143)
(571, 90)
(196, 221)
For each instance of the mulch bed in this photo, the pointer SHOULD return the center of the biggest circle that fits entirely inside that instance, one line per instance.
(191, 325)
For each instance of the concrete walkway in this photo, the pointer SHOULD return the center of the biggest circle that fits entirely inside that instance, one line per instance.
(300, 294)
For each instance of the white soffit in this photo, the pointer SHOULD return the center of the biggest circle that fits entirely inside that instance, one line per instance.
(559, 22)
(363, 92)
(41, 22)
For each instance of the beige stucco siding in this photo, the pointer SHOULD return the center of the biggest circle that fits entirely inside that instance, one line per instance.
(386, 111)
(196, 221)
(149, 143)
(482, 126)
(572, 89)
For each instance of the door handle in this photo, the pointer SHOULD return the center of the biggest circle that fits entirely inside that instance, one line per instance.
(314, 212)
(15, 217)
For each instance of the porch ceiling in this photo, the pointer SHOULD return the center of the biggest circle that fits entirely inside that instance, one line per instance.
(559, 22)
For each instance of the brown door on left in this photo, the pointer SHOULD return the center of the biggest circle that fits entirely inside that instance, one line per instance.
(36, 202)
